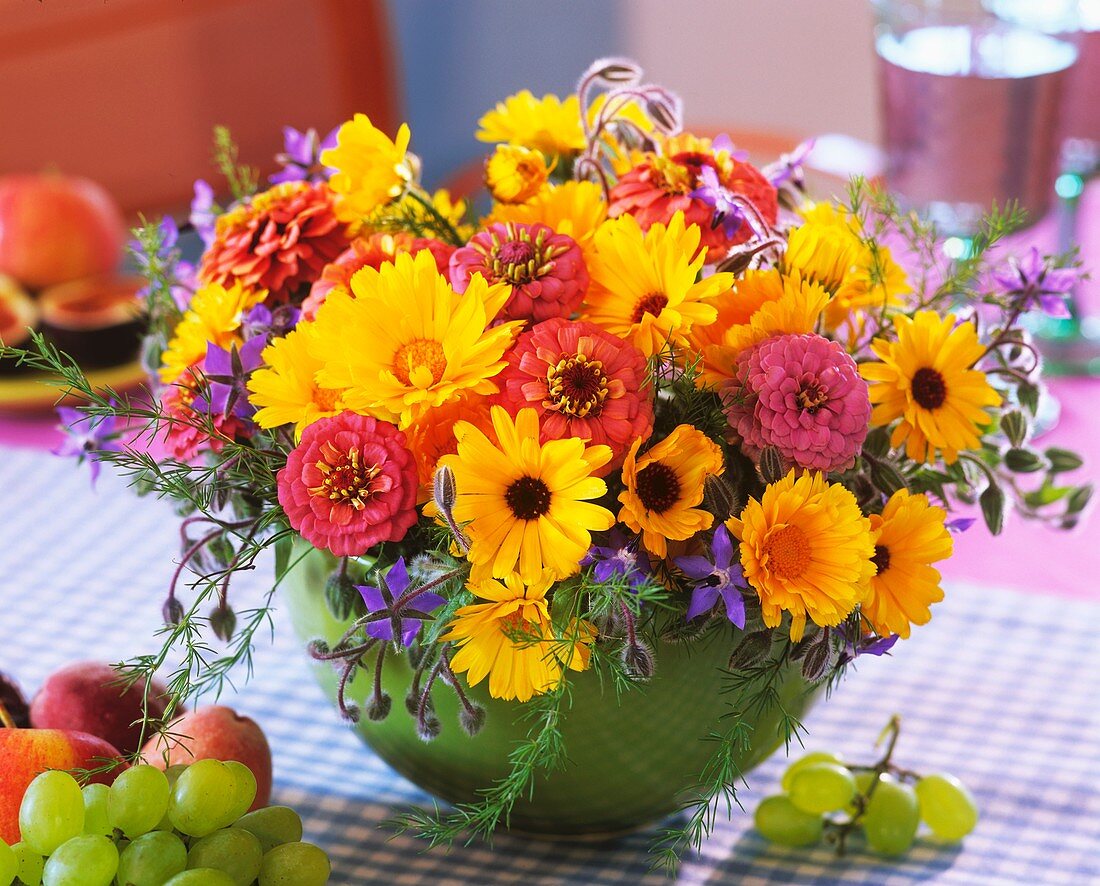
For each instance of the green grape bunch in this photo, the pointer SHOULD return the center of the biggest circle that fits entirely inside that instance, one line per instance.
(825, 798)
(187, 826)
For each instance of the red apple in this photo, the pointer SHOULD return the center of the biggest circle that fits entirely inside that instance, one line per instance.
(219, 733)
(24, 753)
(86, 697)
(55, 228)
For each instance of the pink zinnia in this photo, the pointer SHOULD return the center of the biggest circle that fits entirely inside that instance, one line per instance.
(545, 269)
(584, 382)
(349, 484)
(802, 394)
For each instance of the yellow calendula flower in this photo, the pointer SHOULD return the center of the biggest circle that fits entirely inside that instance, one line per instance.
(511, 640)
(213, 316)
(286, 390)
(548, 124)
(927, 380)
(526, 505)
(775, 304)
(371, 169)
(644, 283)
(909, 536)
(407, 342)
(514, 174)
(806, 549)
(576, 209)
(829, 250)
(664, 487)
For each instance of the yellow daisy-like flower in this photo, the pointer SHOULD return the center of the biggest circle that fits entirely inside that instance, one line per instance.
(371, 169)
(286, 389)
(214, 315)
(576, 209)
(548, 124)
(527, 506)
(926, 379)
(510, 639)
(664, 487)
(806, 549)
(644, 284)
(828, 249)
(776, 304)
(407, 342)
(515, 174)
(909, 536)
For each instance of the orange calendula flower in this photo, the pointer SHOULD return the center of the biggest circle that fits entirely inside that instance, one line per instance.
(515, 174)
(909, 537)
(664, 487)
(806, 549)
(431, 435)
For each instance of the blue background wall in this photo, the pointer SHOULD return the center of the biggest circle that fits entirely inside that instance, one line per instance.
(459, 58)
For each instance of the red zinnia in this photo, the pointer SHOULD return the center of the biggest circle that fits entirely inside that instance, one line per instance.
(545, 269)
(349, 484)
(584, 382)
(184, 432)
(278, 240)
(659, 187)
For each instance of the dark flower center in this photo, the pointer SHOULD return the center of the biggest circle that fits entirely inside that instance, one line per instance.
(881, 559)
(812, 396)
(929, 388)
(653, 304)
(576, 386)
(346, 480)
(658, 487)
(528, 498)
(520, 258)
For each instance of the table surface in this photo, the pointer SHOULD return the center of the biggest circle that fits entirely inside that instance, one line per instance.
(1001, 688)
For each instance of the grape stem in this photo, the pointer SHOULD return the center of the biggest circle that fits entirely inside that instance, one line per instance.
(838, 831)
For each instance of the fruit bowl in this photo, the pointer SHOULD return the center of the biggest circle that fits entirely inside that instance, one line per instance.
(628, 762)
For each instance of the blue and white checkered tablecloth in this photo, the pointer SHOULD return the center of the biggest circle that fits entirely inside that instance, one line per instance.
(1001, 689)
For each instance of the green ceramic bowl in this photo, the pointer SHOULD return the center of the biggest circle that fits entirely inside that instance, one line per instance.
(630, 760)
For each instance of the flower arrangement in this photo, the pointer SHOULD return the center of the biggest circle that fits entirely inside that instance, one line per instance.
(652, 393)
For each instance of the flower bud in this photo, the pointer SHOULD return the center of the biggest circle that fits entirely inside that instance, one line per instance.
(639, 661)
(819, 659)
(618, 70)
(317, 649)
(350, 712)
(444, 489)
(341, 595)
(428, 727)
(771, 464)
(471, 719)
(719, 498)
(224, 622)
(172, 612)
(378, 707)
(751, 651)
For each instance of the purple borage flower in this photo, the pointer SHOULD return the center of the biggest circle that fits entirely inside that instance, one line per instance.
(1033, 279)
(960, 524)
(621, 556)
(203, 211)
(381, 599)
(227, 375)
(726, 211)
(262, 321)
(87, 436)
(301, 156)
(719, 577)
(788, 168)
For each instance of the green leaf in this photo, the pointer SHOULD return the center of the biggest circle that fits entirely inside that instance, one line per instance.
(1028, 395)
(1079, 499)
(877, 444)
(1023, 461)
(1063, 460)
(992, 501)
(1014, 426)
(1047, 494)
(887, 478)
(283, 547)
